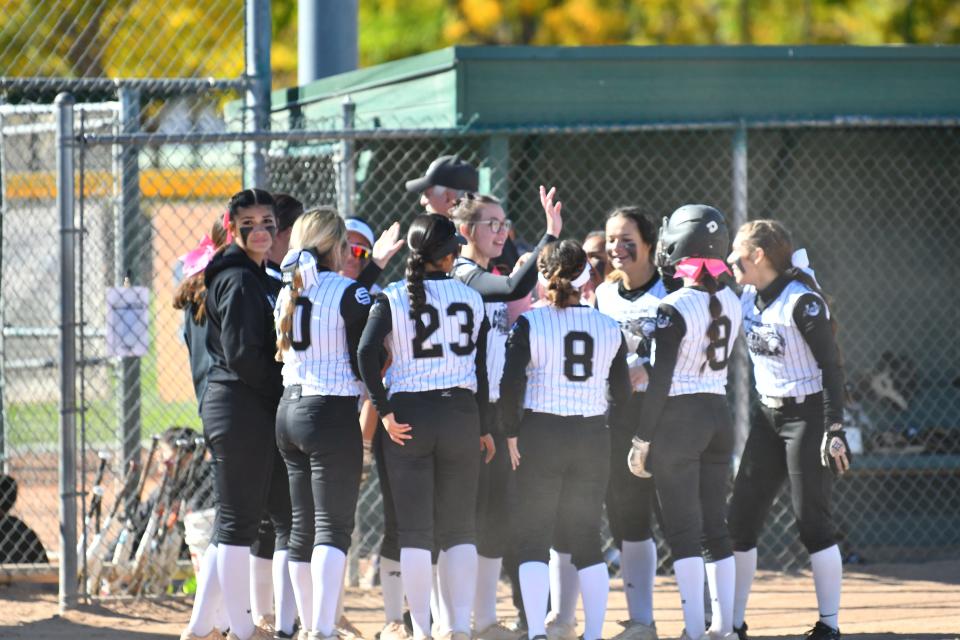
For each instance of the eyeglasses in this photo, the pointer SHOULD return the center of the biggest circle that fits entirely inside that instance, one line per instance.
(496, 226)
(359, 252)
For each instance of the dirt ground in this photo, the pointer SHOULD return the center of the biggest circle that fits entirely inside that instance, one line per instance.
(880, 602)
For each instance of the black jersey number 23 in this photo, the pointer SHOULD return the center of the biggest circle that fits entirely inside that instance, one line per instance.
(427, 321)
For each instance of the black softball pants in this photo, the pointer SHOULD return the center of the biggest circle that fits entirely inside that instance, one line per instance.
(434, 475)
(238, 425)
(784, 443)
(562, 478)
(496, 498)
(629, 498)
(269, 537)
(690, 460)
(390, 546)
(320, 440)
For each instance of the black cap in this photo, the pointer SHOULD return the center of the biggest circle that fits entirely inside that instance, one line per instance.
(434, 236)
(450, 172)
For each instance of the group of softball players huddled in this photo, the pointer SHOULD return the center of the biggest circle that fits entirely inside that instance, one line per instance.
(508, 420)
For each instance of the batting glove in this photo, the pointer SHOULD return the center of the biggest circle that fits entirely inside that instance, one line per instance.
(835, 453)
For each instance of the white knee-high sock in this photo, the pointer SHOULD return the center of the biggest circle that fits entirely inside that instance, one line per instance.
(594, 589)
(392, 588)
(302, 579)
(437, 609)
(638, 563)
(328, 565)
(534, 584)
(233, 568)
(746, 567)
(485, 602)
(417, 585)
(261, 587)
(564, 588)
(721, 578)
(827, 568)
(458, 581)
(208, 598)
(343, 590)
(284, 603)
(689, 574)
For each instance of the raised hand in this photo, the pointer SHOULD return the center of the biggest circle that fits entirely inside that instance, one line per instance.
(387, 245)
(551, 210)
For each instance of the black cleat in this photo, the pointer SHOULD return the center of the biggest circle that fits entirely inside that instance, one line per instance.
(741, 631)
(822, 631)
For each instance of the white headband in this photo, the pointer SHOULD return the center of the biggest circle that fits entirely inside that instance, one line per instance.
(577, 282)
(361, 227)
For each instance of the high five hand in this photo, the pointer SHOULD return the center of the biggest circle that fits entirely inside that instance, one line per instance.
(552, 211)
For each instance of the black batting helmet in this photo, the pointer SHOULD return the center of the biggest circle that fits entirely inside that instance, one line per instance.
(693, 231)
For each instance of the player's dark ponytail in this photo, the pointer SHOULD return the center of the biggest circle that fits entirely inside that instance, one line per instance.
(192, 292)
(560, 263)
(414, 276)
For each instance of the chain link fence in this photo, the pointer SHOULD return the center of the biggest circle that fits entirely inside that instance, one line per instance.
(875, 206)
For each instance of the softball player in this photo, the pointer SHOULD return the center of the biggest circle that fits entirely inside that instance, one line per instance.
(560, 361)
(631, 296)
(685, 422)
(319, 318)
(797, 431)
(242, 393)
(435, 330)
(482, 222)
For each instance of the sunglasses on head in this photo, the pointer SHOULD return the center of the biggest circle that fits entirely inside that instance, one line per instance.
(359, 252)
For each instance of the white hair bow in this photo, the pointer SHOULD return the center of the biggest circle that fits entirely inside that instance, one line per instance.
(801, 261)
(303, 261)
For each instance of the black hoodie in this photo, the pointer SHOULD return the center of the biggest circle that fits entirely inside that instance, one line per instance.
(241, 339)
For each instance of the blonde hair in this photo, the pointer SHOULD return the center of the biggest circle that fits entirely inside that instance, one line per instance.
(323, 232)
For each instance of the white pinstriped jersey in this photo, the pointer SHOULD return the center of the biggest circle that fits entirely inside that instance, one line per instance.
(783, 363)
(496, 313)
(438, 350)
(319, 358)
(571, 351)
(637, 318)
(702, 365)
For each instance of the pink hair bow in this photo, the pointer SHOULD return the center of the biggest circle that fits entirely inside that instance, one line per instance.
(226, 227)
(693, 267)
(197, 260)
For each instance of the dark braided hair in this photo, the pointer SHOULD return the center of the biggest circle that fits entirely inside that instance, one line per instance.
(561, 262)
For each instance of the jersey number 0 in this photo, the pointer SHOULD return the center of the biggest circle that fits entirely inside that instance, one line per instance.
(424, 329)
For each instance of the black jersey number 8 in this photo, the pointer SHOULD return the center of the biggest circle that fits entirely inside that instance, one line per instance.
(578, 356)
(423, 330)
(718, 350)
(306, 310)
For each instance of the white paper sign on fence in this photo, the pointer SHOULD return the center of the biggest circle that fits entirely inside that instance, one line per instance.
(128, 330)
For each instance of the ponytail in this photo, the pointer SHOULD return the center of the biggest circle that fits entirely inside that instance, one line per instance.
(414, 275)
(560, 263)
(285, 321)
(560, 291)
(191, 294)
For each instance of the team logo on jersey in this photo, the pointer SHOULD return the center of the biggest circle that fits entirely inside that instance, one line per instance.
(362, 296)
(764, 340)
(712, 226)
(663, 321)
(812, 309)
(638, 333)
(499, 321)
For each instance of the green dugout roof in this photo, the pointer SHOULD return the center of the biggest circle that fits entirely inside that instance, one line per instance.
(506, 86)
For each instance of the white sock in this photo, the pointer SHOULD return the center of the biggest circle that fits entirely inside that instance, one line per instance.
(437, 609)
(222, 622)
(638, 564)
(328, 565)
(485, 601)
(417, 585)
(594, 589)
(302, 580)
(233, 568)
(564, 587)
(827, 568)
(746, 563)
(261, 587)
(458, 581)
(208, 598)
(284, 603)
(343, 590)
(689, 574)
(721, 578)
(392, 587)
(534, 584)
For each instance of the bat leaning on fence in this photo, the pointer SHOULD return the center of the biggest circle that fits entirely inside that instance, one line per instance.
(169, 539)
(146, 548)
(93, 509)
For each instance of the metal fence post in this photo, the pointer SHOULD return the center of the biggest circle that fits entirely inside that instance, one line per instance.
(257, 95)
(3, 190)
(131, 254)
(740, 367)
(68, 354)
(347, 166)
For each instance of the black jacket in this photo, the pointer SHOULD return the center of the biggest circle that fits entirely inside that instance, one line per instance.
(241, 340)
